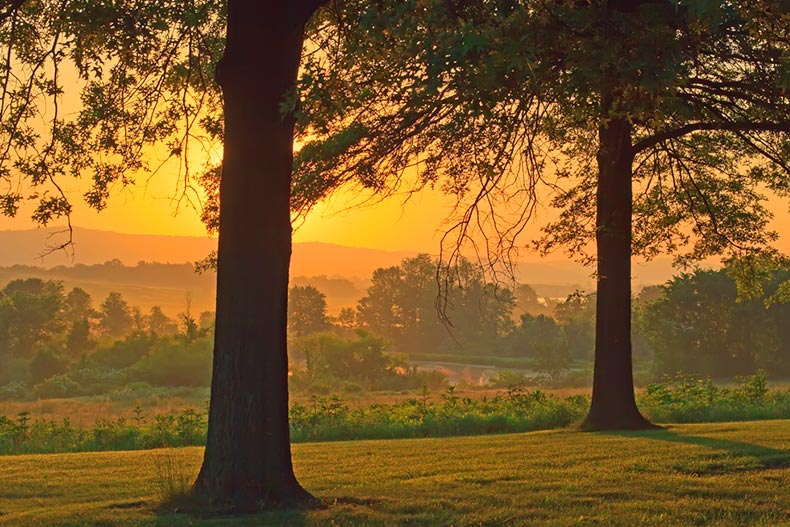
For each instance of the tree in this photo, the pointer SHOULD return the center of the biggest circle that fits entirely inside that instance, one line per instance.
(306, 310)
(29, 315)
(160, 324)
(378, 309)
(698, 325)
(360, 359)
(115, 316)
(146, 74)
(345, 321)
(527, 301)
(401, 304)
(539, 335)
(247, 462)
(77, 305)
(78, 339)
(576, 315)
(675, 114)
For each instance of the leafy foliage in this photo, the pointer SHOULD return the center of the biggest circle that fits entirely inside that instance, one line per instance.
(701, 325)
(681, 399)
(408, 305)
(143, 76)
(306, 310)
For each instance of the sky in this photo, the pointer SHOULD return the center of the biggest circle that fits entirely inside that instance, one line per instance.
(413, 223)
(396, 223)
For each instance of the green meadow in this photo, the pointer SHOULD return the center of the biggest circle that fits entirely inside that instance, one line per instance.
(724, 474)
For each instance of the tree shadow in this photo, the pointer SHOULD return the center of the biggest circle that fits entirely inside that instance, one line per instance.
(294, 518)
(746, 456)
(167, 517)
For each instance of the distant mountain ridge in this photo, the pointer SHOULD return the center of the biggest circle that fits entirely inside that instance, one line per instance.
(25, 247)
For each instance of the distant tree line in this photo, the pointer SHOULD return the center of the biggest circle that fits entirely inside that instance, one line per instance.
(696, 322)
(56, 343)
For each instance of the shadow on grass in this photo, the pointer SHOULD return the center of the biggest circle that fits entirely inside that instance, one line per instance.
(273, 519)
(737, 456)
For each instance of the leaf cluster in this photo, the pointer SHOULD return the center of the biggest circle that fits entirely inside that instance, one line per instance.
(100, 89)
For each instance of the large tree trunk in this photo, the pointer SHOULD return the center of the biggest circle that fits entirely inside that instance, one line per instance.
(613, 403)
(247, 464)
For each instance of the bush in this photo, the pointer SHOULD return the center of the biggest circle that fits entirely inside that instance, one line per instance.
(333, 362)
(96, 381)
(689, 398)
(45, 364)
(125, 352)
(58, 386)
(15, 390)
(328, 418)
(174, 362)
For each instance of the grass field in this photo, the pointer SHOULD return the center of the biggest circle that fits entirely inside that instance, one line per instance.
(731, 474)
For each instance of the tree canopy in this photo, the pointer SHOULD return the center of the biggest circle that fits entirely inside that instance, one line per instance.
(107, 91)
(489, 100)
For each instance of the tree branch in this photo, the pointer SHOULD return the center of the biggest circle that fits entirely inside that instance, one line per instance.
(743, 126)
(12, 7)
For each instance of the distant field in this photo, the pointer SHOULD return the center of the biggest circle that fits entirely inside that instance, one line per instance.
(170, 294)
(169, 285)
(712, 475)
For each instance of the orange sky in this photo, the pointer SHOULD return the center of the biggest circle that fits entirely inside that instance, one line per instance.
(416, 225)
(153, 209)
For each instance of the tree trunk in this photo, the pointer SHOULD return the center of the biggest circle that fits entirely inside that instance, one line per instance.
(247, 462)
(613, 403)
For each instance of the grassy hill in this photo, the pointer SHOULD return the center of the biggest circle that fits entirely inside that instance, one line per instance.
(732, 474)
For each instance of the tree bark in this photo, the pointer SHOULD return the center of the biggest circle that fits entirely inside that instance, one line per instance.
(247, 461)
(613, 403)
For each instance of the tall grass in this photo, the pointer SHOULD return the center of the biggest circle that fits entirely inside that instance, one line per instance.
(682, 399)
(173, 478)
(687, 398)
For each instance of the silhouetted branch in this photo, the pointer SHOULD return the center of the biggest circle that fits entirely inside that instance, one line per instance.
(745, 126)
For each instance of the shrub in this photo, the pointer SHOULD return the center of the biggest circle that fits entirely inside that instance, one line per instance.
(125, 352)
(15, 390)
(45, 364)
(58, 386)
(689, 398)
(176, 363)
(96, 381)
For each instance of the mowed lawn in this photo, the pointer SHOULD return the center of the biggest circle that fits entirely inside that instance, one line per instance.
(731, 474)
